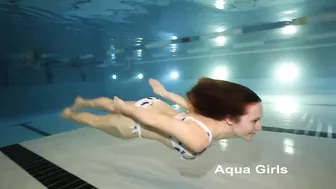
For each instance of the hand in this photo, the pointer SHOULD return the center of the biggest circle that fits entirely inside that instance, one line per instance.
(158, 88)
(118, 104)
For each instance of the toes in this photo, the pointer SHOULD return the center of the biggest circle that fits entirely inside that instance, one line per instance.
(78, 99)
(66, 113)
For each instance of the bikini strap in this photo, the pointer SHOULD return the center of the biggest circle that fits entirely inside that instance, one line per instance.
(201, 124)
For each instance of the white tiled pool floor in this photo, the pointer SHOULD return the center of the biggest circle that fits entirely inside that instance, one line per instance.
(105, 162)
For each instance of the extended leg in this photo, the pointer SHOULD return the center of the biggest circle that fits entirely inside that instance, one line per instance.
(103, 103)
(113, 124)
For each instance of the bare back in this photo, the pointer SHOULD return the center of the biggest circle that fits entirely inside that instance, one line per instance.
(164, 108)
(122, 124)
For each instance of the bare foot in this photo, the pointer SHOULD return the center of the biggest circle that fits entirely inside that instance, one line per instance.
(78, 103)
(66, 114)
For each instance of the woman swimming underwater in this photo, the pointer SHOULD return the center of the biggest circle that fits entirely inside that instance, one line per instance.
(217, 110)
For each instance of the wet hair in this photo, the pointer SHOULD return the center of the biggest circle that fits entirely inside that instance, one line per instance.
(218, 99)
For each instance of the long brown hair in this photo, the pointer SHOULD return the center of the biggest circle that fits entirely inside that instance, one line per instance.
(218, 99)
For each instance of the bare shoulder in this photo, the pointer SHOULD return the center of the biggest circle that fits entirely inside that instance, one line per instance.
(196, 134)
(195, 137)
(192, 135)
(197, 130)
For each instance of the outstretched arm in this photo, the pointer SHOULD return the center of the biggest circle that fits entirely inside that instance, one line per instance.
(159, 89)
(195, 142)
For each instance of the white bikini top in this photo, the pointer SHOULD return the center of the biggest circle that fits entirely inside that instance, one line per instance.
(178, 145)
